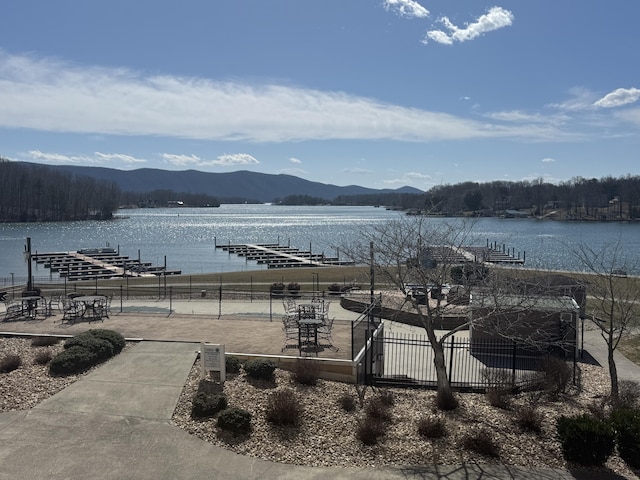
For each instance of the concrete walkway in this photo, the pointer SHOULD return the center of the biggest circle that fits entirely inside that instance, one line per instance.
(114, 423)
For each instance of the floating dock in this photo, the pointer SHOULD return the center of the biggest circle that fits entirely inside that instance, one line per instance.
(274, 255)
(99, 263)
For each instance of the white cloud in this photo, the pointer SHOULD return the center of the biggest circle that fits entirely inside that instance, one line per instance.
(406, 8)
(119, 157)
(182, 160)
(295, 160)
(494, 19)
(619, 97)
(52, 96)
(223, 160)
(235, 159)
(548, 160)
(97, 158)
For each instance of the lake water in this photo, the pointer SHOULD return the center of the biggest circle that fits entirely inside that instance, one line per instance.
(187, 237)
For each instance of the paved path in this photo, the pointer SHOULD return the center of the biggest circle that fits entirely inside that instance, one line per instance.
(114, 423)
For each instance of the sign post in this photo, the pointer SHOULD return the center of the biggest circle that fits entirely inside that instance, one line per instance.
(212, 360)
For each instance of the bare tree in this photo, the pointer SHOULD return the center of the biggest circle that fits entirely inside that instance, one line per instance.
(415, 257)
(612, 298)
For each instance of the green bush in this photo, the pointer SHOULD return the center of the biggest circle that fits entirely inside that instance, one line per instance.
(235, 420)
(232, 364)
(9, 363)
(101, 348)
(114, 338)
(72, 360)
(626, 424)
(283, 408)
(260, 369)
(585, 440)
(207, 405)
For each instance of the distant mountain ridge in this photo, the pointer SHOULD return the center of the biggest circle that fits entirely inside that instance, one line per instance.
(261, 187)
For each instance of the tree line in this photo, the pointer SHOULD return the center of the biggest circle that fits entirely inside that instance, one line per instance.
(580, 198)
(35, 193)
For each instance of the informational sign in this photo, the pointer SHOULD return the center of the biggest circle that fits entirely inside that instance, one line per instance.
(212, 360)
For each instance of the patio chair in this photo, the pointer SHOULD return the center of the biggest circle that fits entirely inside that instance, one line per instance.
(290, 330)
(71, 311)
(321, 308)
(324, 334)
(13, 311)
(55, 302)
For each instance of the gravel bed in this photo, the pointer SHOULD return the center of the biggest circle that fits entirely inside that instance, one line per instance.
(326, 435)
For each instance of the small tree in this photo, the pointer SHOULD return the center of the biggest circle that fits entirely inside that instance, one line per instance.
(614, 298)
(417, 254)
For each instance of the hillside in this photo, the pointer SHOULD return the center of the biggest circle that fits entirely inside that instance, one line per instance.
(260, 187)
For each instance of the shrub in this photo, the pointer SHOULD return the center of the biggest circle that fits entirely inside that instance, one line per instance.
(432, 427)
(556, 375)
(232, 364)
(10, 362)
(283, 408)
(370, 430)
(235, 420)
(102, 349)
(529, 419)
(44, 341)
(334, 289)
(585, 440)
(377, 408)
(347, 402)
(306, 372)
(293, 287)
(72, 360)
(626, 424)
(481, 442)
(628, 394)
(42, 357)
(207, 405)
(114, 338)
(499, 386)
(386, 398)
(260, 369)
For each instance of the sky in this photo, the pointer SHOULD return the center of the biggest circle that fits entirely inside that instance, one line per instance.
(377, 93)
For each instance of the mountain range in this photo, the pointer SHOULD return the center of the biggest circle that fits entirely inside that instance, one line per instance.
(261, 187)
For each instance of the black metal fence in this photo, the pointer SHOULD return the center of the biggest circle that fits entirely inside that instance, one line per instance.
(407, 360)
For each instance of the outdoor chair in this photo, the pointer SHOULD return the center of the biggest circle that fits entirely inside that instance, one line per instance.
(55, 302)
(13, 311)
(324, 334)
(71, 311)
(290, 330)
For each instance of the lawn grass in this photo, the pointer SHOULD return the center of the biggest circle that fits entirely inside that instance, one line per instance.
(630, 348)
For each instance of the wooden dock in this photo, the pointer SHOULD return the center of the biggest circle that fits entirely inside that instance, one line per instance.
(94, 264)
(274, 255)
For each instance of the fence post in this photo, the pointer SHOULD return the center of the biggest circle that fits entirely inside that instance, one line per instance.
(170, 299)
(120, 298)
(513, 364)
(453, 339)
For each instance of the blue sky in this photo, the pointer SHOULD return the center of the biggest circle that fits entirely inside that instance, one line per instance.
(378, 93)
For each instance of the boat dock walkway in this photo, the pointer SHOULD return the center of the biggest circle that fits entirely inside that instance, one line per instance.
(93, 264)
(279, 256)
